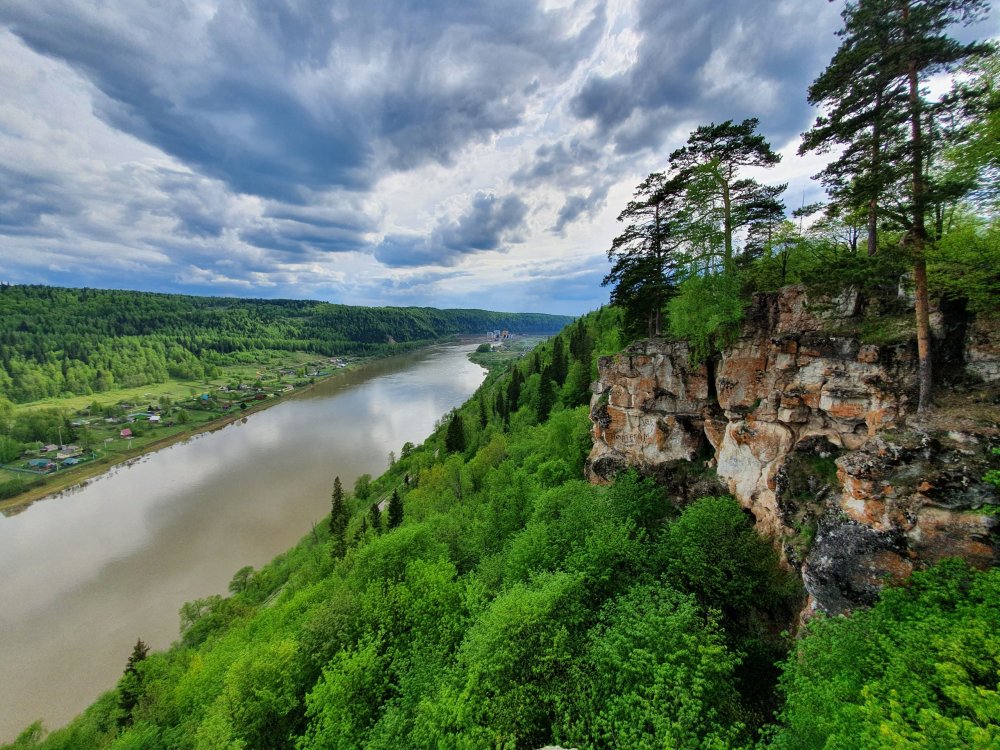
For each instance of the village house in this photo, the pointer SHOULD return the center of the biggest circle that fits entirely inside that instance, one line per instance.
(68, 451)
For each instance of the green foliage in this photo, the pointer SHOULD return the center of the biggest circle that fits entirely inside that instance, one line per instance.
(514, 605)
(656, 673)
(375, 518)
(712, 549)
(917, 670)
(993, 475)
(10, 449)
(80, 341)
(30, 737)
(362, 487)
(638, 501)
(707, 311)
(130, 687)
(964, 263)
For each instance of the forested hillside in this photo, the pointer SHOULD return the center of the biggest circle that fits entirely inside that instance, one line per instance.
(56, 341)
(498, 600)
(481, 594)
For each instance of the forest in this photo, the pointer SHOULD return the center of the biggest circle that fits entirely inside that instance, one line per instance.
(56, 341)
(500, 601)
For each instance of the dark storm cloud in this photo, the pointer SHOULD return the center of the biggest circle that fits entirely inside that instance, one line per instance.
(309, 230)
(702, 62)
(579, 205)
(302, 239)
(490, 224)
(26, 199)
(555, 162)
(278, 98)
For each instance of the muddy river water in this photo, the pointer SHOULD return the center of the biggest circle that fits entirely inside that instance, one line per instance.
(83, 574)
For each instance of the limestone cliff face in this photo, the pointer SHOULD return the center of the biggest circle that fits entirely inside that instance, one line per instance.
(811, 430)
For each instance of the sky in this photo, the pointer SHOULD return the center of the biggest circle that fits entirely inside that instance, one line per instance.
(444, 153)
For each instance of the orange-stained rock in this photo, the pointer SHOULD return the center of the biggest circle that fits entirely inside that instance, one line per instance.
(789, 384)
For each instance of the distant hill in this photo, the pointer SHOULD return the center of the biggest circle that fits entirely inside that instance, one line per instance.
(56, 340)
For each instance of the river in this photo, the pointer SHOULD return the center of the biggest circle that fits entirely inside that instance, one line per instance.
(86, 573)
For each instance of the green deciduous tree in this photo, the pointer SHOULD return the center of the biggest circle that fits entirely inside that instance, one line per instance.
(363, 487)
(975, 155)
(919, 669)
(656, 673)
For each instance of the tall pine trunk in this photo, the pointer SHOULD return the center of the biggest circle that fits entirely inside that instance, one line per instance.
(918, 233)
(876, 165)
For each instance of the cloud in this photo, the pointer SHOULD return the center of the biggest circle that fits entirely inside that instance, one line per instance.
(490, 223)
(278, 99)
(580, 205)
(703, 62)
(400, 152)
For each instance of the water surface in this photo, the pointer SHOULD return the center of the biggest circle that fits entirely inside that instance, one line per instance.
(84, 574)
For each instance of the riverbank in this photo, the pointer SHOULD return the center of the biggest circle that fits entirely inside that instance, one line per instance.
(78, 477)
(70, 479)
(114, 559)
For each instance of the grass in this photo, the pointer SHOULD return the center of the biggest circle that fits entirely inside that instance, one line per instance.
(179, 389)
(514, 350)
(113, 449)
(882, 330)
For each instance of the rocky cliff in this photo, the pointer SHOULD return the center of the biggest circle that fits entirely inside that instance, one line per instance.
(807, 419)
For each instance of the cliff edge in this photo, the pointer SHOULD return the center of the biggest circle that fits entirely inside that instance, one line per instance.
(808, 420)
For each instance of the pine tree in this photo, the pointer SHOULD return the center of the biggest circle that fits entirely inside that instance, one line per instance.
(709, 169)
(560, 364)
(642, 257)
(514, 390)
(454, 440)
(362, 531)
(483, 416)
(339, 517)
(375, 518)
(546, 396)
(130, 687)
(395, 510)
(904, 42)
(580, 343)
(863, 115)
(500, 407)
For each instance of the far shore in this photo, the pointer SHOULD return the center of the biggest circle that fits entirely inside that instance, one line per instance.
(84, 474)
